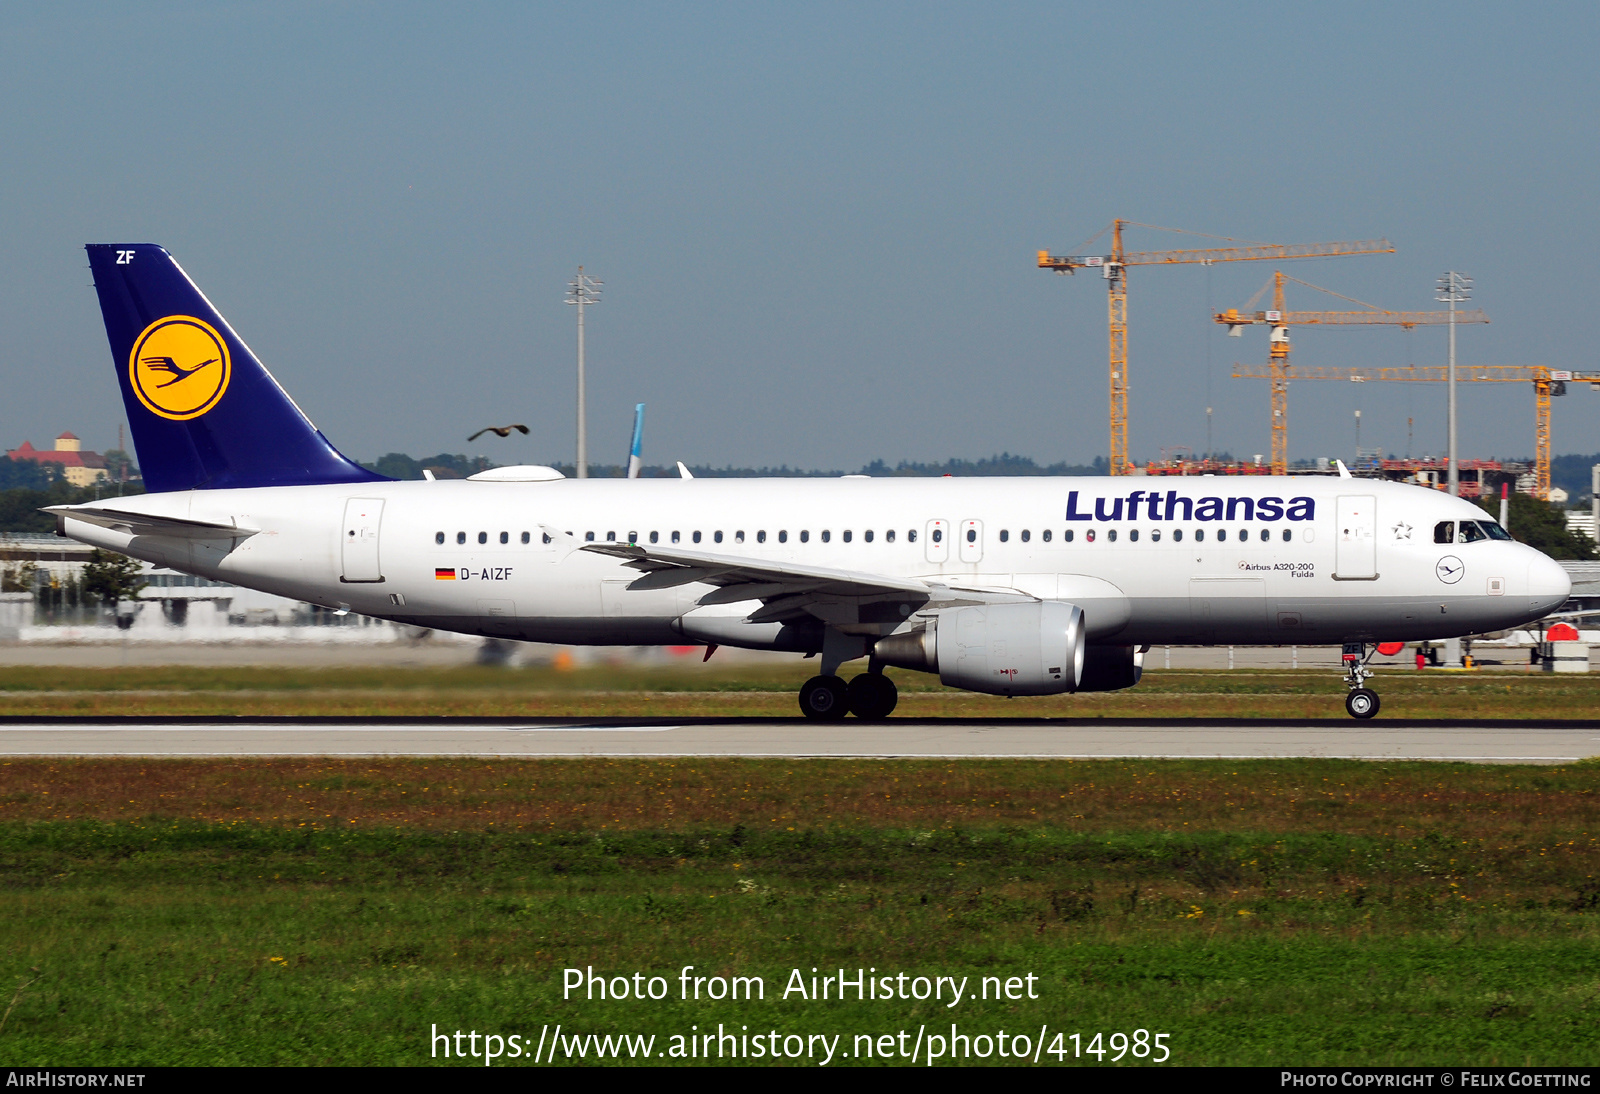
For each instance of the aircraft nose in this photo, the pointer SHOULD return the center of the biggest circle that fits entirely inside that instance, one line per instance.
(1548, 584)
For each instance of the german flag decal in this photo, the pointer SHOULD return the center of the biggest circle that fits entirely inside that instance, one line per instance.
(444, 573)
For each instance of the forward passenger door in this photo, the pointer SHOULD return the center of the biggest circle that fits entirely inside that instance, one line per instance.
(1355, 552)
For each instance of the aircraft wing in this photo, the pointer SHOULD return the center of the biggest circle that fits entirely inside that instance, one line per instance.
(787, 591)
(143, 524)
(750, 578)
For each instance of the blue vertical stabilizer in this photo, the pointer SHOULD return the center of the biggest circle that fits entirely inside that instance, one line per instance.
(205, 413)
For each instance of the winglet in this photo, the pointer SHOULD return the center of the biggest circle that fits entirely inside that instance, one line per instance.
(683, 472)
(1344, 472)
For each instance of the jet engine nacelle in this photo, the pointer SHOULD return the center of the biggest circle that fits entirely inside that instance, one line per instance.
(1000, 649)
(1111, 668)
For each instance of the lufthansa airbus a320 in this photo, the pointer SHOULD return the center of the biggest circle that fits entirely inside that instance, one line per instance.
(1019, 586)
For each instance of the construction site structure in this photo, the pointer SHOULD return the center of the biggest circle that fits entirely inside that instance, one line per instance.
(1202, 467)
(1113, 267)
(1280, 320)
(1548, 383)
(1477, 477)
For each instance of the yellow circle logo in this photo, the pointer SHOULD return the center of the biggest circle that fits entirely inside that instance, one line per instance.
(179, 367)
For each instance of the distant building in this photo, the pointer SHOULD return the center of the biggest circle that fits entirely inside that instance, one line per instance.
(78, 467)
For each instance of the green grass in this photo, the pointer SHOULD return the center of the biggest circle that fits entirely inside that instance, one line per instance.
(696, 690)
(1270, 912)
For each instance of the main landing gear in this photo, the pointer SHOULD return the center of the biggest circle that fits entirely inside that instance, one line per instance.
(1362, 702)
(872, 695)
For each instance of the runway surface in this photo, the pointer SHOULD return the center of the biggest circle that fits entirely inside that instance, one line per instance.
(1485, 741)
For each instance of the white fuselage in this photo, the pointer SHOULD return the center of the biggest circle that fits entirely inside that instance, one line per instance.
(1211, 559)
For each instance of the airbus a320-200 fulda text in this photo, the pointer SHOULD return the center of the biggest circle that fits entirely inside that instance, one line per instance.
(1019, 586)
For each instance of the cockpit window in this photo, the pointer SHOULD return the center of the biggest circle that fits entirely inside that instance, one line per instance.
(1469, 532)
(1494, 529)
(1444, 532)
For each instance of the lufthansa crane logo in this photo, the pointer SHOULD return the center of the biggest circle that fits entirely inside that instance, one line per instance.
(179, 367)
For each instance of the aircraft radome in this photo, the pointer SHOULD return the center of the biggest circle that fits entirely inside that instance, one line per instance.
(1009, 586)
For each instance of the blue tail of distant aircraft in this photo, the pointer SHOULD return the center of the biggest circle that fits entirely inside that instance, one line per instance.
(204, 412)
(635, 460)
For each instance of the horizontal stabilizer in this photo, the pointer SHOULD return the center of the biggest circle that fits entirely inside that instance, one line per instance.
(143, 524)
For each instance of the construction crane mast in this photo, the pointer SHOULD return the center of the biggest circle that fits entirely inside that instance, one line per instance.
(1281, 320)
(1113, 268)
(1547, 383)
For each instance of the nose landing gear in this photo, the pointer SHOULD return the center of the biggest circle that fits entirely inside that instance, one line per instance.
(1362, 702)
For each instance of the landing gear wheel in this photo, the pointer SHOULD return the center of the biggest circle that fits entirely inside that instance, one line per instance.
(873, 696)
(1362, 703)
(825, 698)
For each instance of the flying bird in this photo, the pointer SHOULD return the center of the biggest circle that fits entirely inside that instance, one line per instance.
(497, 430)
(167, 364)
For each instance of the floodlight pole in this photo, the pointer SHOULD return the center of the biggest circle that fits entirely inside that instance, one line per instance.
(582, 291)
(1453, 288)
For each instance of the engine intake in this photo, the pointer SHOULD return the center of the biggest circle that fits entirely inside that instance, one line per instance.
(998, 649)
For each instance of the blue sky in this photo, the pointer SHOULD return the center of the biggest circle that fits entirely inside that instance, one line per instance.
(816, 223)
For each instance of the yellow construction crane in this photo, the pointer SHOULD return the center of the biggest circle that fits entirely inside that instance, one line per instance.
(1114, 266)
(1547, 383)
(1280, 321)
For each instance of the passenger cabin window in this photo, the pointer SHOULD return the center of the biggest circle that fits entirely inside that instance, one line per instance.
(655, 537)
(1288, 534)
(972, 535)
(438, 537)
(1199, 535)
(695, 537)
(505, 537)
(783, 535)
(867, 535)
(611, 537)
(461, 537)
(826, 535)
(1045, 535)
(675, 537)
(1444, 532)
(1177, 535)
(805, 536)
(588, 537)
(1067, 535)
(1088, 536)
(547, 537)
(716, 537)
(1005, 536)
(1266, 534)
(738, 537)
(761, 536)
(1111, 534)
(526, 537)
(938, 535)
(911, 536)
(1026, 535)
(1155, 535)
(483, 537)
(888, 537)
(847, 534)
(1133, 535)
